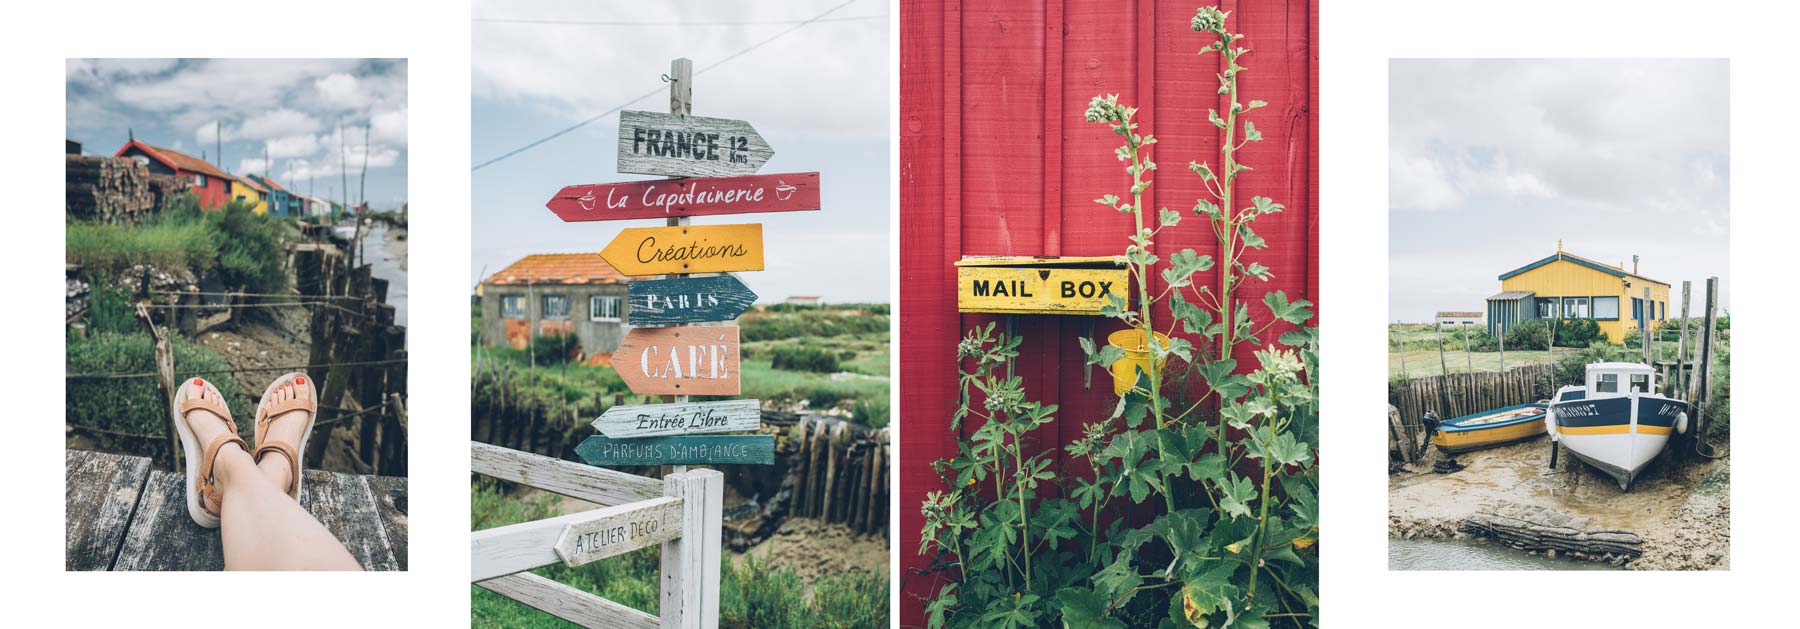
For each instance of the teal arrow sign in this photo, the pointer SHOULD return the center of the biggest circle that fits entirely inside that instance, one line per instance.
(684, 450)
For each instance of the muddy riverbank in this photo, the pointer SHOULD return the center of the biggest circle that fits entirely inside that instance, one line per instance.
(1682, 513)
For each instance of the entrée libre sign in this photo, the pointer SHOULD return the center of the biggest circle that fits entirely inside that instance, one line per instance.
(791, 192)
(681, 418)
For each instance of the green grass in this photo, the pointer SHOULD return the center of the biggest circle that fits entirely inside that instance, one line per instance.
(1422, 364)
(112, 249)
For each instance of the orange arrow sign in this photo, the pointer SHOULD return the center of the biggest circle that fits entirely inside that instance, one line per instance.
(693, 360)
(641, 251)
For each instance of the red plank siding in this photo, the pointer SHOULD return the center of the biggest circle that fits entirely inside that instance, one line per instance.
(995, 159)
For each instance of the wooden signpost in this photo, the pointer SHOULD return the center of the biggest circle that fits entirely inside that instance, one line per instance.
(694, 360)
(1024, 285)
(684, 450)
(688, 146)
(689, 300)
(693, 418)
(618, 530)
(675, 198)
(641, 251)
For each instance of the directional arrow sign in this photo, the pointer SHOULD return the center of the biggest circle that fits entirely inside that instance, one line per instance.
(621, 529)
(691, 450)
(656, 420)
(641, 251)
(689, 300)
(666, 198)
(695, 360)
(688, 146)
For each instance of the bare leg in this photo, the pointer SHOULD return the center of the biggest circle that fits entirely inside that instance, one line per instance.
(261, 527)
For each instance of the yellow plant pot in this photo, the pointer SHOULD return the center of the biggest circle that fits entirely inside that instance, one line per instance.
(1137, 357)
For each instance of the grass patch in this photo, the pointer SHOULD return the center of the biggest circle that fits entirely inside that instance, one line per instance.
(111, 249)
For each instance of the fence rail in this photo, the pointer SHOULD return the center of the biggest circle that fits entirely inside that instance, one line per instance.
(1458, 394)
(501, 556)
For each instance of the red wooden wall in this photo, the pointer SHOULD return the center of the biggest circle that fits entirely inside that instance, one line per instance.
(995, 159)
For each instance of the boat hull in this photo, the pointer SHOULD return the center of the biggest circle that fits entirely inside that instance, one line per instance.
(1468, 433)
(1617, 435)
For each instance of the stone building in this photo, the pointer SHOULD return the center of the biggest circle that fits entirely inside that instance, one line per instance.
(556, 293)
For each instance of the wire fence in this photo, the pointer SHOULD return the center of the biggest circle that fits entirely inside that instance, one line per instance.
(343, 414)
(235, 370)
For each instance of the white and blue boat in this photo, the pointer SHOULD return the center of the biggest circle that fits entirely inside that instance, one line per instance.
(1615, 421)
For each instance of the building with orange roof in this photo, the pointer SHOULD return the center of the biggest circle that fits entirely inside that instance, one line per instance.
(556, 293)
(251, 193)
(212, 184)
(281, 202)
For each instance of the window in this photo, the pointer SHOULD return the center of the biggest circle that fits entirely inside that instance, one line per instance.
(1546, 308)
(1609, 383)
(512, 307)
(1606, 307)
(1637, 309)
(1640, 383)
(199, 181)
(603, 307)
(556, 306)
(1575, 307)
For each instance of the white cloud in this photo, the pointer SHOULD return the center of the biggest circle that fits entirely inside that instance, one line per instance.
(389, 126)
(293, 146)
(275, 123)
(341, 91)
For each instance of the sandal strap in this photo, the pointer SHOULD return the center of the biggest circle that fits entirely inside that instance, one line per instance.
(266, 415)
(293, 459)
(209, 492)
(212, 404)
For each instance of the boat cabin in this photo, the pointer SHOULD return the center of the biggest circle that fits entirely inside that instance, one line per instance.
(1615, 379)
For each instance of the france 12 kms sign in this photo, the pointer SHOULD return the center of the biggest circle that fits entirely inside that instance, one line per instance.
(687, 450)
(689, 300)
(682, 418)
(666, 198)
(641, 251)
(688, 146)
(695, 360)
(619, 529)
(1039, 290)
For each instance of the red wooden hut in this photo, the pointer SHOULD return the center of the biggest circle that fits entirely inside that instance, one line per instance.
(213, 185)
(995, 159)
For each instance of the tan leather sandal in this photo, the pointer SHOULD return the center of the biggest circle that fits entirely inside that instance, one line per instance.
(203, 499)
(304, 399)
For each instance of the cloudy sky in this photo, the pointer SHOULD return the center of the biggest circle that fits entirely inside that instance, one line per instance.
(287, 110)
(818, 95)
(1490, 162)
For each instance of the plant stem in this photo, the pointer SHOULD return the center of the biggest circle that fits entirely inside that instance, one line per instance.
(1146, 325)
(1024, 521)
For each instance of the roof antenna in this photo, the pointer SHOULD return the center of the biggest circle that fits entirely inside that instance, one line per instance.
(129, 136)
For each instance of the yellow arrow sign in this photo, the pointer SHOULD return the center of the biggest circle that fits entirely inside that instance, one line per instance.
(641, 251)
(1040, 290)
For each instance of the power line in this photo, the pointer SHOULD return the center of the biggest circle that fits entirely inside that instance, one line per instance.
(715, 64)
(855, 18)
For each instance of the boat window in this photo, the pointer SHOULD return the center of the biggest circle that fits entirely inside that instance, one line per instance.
(1609, 383)
(1640, 383)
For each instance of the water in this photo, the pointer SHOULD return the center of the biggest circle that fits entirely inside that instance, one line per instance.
(387, 267)
(1443, 554)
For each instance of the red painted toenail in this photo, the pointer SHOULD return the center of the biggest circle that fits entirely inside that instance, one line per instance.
(199, 383)
(300, 381)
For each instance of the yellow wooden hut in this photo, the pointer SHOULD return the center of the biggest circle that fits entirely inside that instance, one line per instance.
(1567, 286)
(247, 190)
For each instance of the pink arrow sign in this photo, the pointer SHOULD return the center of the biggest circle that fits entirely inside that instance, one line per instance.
(704, 196)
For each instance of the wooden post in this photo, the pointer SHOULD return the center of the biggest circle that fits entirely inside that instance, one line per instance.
(1681, 346)
(1443, 365)
(1703, 390)
(690, 564)
(1502, 347)
(1467, 351)
(681, 103)
(165, 380)
(1645, 326)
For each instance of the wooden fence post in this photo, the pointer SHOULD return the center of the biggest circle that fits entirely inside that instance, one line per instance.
(1681, 347)
(690, 564)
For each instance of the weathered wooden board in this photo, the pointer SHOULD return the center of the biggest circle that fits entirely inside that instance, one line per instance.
(100, 491)
(665, 198)
(641, 251)
(585, 482)
(568, 603)
(689, 146)
(686, 450)
(390, 494)
(1038, 290)
(163, 537)
(694, 360)
(620, 529)
(688, 418)
(689, 300)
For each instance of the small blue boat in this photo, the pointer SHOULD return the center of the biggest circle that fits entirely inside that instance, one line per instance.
(1487, 429)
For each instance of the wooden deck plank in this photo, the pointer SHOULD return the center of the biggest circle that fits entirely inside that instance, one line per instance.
(390, 504)
(162, 536)
(100, 493)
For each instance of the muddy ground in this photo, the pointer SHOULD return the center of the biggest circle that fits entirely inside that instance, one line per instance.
(1683, 512)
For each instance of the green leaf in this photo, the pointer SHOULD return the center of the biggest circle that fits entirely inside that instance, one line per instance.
(1213, 115)
(1294, 312)
(1111, 200)
(1085, 609)
(1194, 319)
(1169, 217)
(1255, 104)
(1289, 451)
(1250, 132)
(1205, 171)
(1117, 579)
(1208, 209)
(1236, 494)
(1183, 265)
(1258, 271)
(1264, 205)
(1250, 238)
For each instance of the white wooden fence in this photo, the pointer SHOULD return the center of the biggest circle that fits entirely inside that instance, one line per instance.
(682, 511)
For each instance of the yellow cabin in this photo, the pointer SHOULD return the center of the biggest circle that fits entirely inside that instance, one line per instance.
(243, 189)
(1568, 286)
